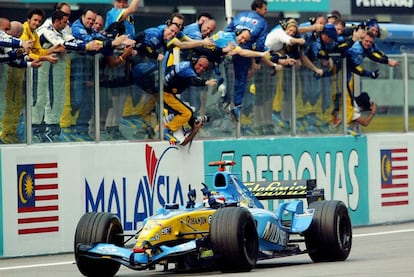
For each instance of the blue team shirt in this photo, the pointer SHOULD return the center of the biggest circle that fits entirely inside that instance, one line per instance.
(257, 26)
(193, 31)
(222, 39)
(114, 15)
(154, 38)
(80, 32)
(180, 35)
(318, 46)
(181, 76)
(356, 53)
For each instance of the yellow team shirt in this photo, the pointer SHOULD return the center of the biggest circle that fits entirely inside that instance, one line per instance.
(37, 51)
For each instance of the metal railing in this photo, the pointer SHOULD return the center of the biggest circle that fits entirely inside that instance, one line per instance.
(302, 104)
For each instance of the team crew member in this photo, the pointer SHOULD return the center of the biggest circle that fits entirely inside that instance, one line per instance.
(253, 21)
(229, 44)
(354, 57)
(78, 106)
(14, 57)
(282, 36)
(232, 44)
(310, 34)
(99, 24)
(15, 43)
(151, 46)
(318, 51)
(11, 50)
(67, 31)
(10, 46)
(48, 104)
(178, 78)
(122, 12)
(197, 31)
(14, 90)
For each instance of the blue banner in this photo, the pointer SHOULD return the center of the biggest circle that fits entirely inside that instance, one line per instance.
(298, 5)
(339, 164)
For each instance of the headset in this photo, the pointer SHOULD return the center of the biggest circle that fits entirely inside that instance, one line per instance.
(284, 23)
(313, 19)
(169, 21)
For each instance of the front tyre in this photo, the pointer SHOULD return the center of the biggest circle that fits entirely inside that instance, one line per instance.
(329, 237)
(97, 227)
(234, 239)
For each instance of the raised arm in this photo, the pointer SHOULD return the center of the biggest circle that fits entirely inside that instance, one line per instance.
(133, 7)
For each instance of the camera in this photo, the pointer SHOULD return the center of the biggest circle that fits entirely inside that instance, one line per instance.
(204, 118)
(349, 30)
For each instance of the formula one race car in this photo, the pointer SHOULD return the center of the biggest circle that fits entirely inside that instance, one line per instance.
(229, 230)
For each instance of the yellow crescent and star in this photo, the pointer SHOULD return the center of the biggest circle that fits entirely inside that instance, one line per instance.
(385, 167)
(26, 187)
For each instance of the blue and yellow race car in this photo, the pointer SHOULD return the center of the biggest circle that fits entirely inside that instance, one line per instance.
(229, 230)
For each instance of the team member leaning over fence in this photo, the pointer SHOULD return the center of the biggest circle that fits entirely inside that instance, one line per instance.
(227, 44)
(122, 13)
(255, 22)
(116, 85)
(132, 116)
(178, 78)
(354, 57)
(152, 43)
(196, 31)
(265, 81)
(318, 93)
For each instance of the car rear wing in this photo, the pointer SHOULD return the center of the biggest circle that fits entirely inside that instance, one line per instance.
(286, 190)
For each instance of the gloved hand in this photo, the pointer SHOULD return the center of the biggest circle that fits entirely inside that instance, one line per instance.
(374, 74)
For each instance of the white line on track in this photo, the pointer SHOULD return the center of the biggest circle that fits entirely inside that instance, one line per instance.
(72, 262)
(383, 233)
(36, 265)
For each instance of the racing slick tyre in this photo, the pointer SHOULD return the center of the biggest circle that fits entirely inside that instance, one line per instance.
(97, 227)
(329, 237)
(234, 239)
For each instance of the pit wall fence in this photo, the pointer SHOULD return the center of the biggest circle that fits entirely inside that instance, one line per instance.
(46, 189)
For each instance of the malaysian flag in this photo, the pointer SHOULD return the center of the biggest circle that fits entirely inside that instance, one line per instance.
(37, 198)
(394, 177)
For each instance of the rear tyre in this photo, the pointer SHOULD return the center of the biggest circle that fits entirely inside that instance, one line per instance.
(329, 238)
(97, 227)
(234, 239)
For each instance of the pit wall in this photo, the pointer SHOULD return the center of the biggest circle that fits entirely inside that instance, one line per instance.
(46, 189)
